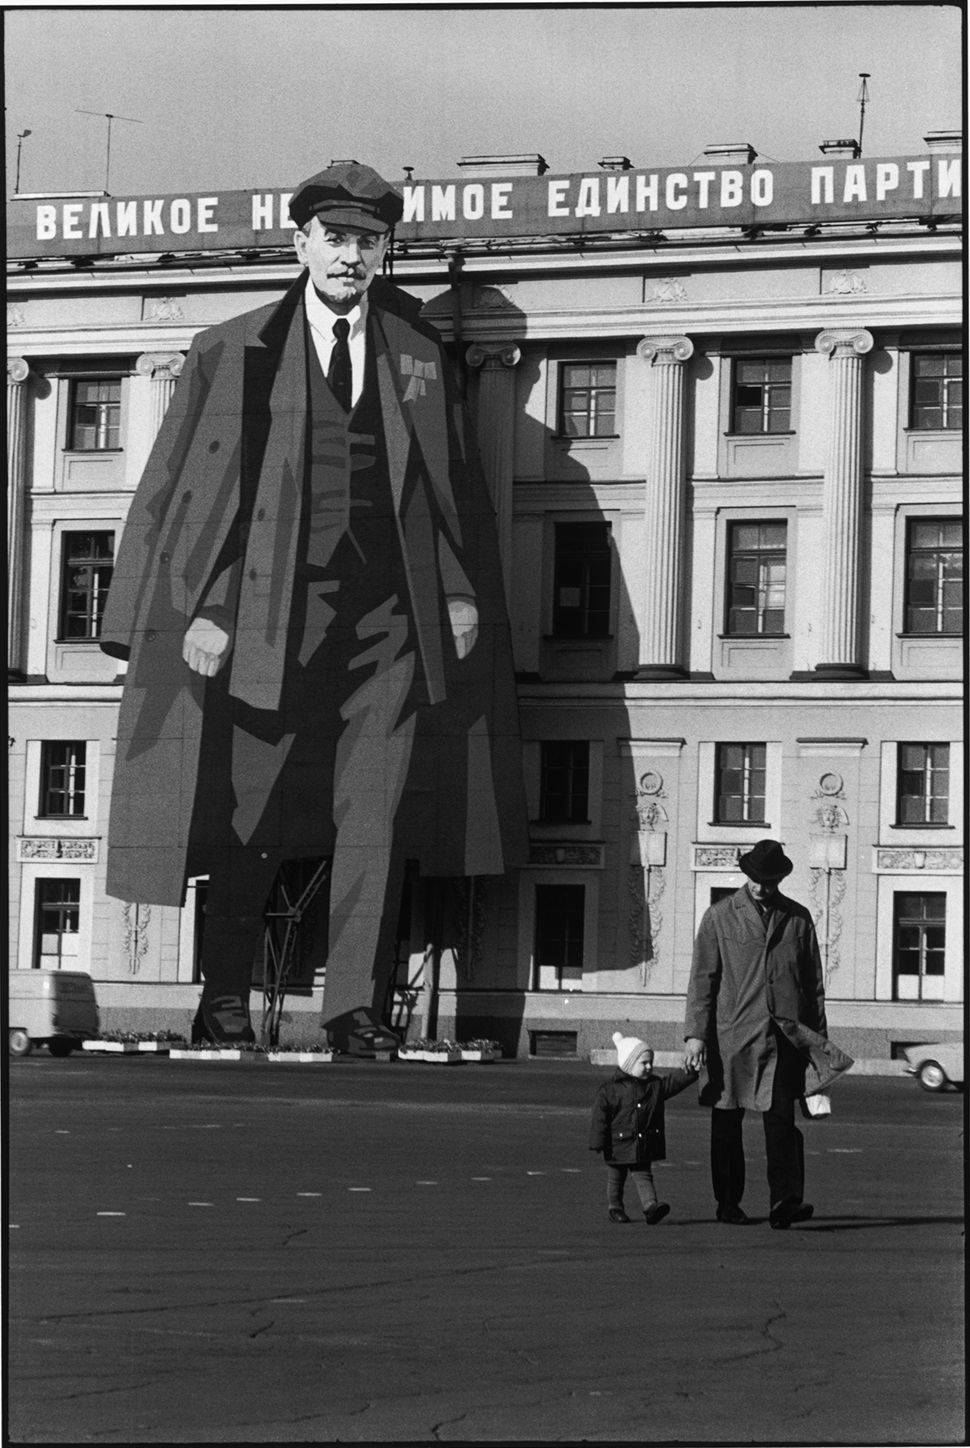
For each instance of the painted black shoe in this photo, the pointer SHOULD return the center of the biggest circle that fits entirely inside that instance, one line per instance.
(360, 1032)
(733, 1217)
(656, 1213)
(223, 1020)
(617, 1214)
(785, 1213)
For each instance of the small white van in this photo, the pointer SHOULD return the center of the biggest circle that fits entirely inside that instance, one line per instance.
(56, 1008)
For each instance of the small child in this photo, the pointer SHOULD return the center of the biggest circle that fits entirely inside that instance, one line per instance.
(628, 1125)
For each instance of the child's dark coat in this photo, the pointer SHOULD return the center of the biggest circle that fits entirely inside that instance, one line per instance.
(628, 1116)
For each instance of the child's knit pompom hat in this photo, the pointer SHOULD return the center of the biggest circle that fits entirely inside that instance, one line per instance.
(629, 1050)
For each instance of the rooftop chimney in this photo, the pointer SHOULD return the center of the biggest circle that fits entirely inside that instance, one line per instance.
(616, 163)
(947, 142)
(840, 148)
(533, 165)
(740, 152)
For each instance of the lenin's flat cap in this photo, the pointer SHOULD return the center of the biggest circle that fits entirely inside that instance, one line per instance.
(348, 194)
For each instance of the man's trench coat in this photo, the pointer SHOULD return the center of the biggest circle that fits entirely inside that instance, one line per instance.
(744, 981)
(214, 527)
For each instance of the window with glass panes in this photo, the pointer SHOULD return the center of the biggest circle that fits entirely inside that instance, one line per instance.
(58, 914)
(936, 390)
(560, 915)
(923, 784)
(587, 399)
(88, 563)
(740, 785)
(96, 415)
(757, 557)
(919, 946)
(62, 769)
(564, 783)
(934, 576)
(583, 563)
(762, 394)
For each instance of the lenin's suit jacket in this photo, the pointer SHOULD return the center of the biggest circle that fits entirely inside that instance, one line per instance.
(214, 528)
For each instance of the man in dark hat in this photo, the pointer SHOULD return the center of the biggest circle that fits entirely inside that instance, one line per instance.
(756, 1030)
(309, 595)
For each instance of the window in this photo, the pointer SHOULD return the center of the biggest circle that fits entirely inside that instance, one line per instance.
(85, 578)
(937, 391)
(762, 395)
(560, 913)
(756, 578)
(62, 768)
(740, 786)
(564, 784)
(934, 576)
(587, 399)
(96, 415)
(923, 784)
(919, 946)
(58, 908)
(582, 580)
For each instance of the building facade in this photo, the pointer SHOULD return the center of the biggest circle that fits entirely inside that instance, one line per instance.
(726, 461)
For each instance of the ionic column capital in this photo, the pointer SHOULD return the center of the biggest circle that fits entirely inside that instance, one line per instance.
(844, 342)
(502, 354)
(18, 369)
(665, 351)
(161, 366)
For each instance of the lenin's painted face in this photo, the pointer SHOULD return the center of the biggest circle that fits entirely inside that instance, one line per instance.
(342, 261)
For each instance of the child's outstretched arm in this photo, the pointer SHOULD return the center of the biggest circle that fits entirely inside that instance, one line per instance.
(676, 1081)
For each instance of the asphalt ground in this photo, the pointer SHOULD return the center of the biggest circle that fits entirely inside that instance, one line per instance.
(373, 1252)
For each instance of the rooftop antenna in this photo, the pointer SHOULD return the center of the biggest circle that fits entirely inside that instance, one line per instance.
(20, 141)
(862, 97)
(110, 117)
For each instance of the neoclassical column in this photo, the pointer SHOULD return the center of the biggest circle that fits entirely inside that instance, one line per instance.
(163, 368)
(838, 639)
(496, 433)
(18, 371)
(661, 627)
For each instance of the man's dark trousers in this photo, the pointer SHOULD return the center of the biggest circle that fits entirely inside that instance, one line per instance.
(784, 1144)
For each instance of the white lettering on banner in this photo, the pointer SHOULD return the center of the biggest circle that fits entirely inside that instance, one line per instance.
(823, 185)
(675, 183)
(918, 169)
(71, 215)
(262, 213)
(181, 218)
(557, 198)
(99, 213)
(617, 193)
(948, 174)
(204, 209)
(855, 184)
(473, 202)
(887, 179)
(413, 204)
(127, 218)
(732, 188)
(704, 179)
(151, 222)
(762, 188)
(647, 193)
(443, 203)
(286, 221)
(589, 198)
(500, 200)
(46, 223)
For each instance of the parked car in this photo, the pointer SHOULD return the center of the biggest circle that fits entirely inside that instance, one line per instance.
(937, 1065)
(56, 1008)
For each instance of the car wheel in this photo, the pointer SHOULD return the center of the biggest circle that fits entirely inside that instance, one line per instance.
(60, 1046)
(18, 1042)
(931, 1076)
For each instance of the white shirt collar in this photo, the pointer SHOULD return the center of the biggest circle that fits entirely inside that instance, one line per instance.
(321, 317)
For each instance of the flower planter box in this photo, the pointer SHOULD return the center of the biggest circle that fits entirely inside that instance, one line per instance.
(121, 1048)
(301, 1058)
(404, 1055)
(225, 1053)
(157, 1048)
(443, 1058)
(474, 1055)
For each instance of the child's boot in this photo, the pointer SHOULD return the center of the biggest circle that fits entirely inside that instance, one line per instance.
(655, 1213)
(617, 1214)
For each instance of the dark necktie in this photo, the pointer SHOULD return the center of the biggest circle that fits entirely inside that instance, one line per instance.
(339, 374)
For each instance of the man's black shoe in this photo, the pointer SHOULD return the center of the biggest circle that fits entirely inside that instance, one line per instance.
(655, 1213)
(360, 1033)
(782, 1215)
(733, 1217)
(223, 1020)
(617, 1214)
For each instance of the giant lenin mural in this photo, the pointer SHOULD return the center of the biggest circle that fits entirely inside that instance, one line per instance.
(309, 595)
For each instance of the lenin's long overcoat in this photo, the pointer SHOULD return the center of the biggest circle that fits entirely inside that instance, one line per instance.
(743, 981)
(214, 527)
